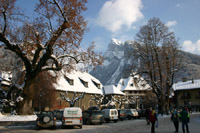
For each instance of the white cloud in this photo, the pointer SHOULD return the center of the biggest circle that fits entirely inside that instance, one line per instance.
(171, 23)
(191, 47)
(117, 13)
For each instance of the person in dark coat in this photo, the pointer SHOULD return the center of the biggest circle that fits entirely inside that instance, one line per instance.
(147, 116)
(175, 119)
(152, 119)
(185, 119)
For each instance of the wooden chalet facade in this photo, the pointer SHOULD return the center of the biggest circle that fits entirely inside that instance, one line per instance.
(187, 93)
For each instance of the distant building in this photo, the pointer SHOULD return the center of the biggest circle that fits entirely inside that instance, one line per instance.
(77, 83)
(136, 88)
(112, 93)
(5, 79)
(187, 93)
(5, 83)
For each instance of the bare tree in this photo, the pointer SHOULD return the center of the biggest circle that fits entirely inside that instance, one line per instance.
(120, 100)
(74, 99)
(98, 99)
(50, 41)
(157, 51)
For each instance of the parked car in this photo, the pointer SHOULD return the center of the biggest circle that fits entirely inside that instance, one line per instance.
(131, 113)
(72, 116)
(136, 114)
(121, 115)
(46, 119)
(110, 115)
(58, 114)
(93, 117)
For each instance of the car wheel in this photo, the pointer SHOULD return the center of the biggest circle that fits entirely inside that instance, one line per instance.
(54, 127)
(46, 119)
(37, 127)
(80, 127)
(115, 121)
(129, 117)
(107, 120)
(87, 122)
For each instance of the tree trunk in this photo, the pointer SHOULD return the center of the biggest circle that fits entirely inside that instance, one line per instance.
(160, 107)
(25, 107)
(167, 106)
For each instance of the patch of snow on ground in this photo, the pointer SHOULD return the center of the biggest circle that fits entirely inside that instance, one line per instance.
(18, 117)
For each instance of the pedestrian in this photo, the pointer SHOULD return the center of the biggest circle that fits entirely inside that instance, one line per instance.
(152, 119)
(185, 119)
(175, 119)
(147, 115)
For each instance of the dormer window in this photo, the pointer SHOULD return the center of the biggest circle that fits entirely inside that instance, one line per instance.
(70, 81)
(84, 83)
(96, 84)
(131, 85)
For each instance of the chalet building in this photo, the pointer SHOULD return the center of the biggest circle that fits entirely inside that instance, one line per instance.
(5, 83)
(113, 94)
(75, 84)
(136, 89)
(187, 93)
(5, 80)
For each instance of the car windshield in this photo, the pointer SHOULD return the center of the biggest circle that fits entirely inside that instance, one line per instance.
(46, 113)
(122, 111)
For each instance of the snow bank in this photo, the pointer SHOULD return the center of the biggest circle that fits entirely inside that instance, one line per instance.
(17, 117)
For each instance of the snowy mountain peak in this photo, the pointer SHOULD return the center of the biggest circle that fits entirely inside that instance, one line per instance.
(117, 42)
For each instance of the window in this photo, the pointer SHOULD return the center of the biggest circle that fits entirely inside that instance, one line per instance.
(70, 81)
(84, 83)
(186, 95)
(131, 85)
(96, 84)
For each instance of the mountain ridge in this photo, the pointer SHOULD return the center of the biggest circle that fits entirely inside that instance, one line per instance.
(118, 63)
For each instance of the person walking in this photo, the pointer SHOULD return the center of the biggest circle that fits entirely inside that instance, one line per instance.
(147, 115)
(185, 119)
(152, 119)
(175, 119)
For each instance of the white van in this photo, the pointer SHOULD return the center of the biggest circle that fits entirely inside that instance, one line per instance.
(110, 115)
(72, 116)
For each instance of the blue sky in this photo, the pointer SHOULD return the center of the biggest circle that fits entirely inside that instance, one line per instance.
(121, 19)
(182, 17)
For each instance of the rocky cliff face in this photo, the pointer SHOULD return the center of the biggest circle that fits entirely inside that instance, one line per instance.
(119, 60)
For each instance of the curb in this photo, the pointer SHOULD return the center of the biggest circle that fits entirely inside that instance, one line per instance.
(17, 123)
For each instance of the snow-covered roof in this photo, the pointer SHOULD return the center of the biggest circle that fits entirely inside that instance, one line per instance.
(191, 84)
(111, 89)
(78, 86)
(133, 83)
